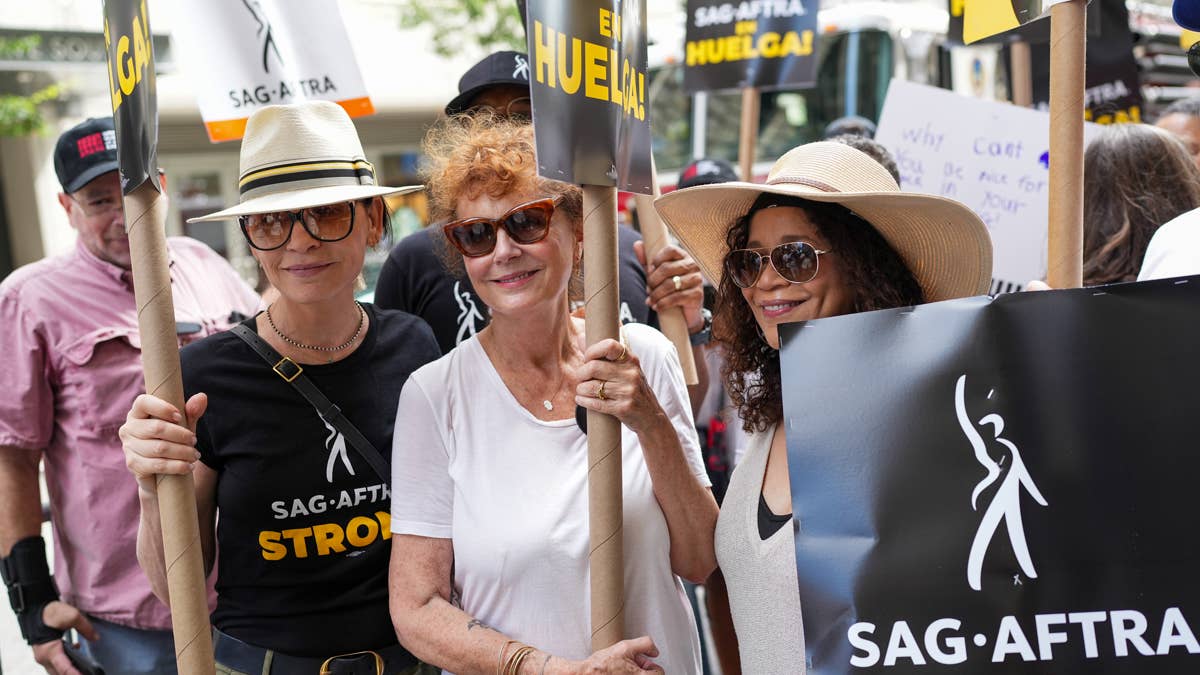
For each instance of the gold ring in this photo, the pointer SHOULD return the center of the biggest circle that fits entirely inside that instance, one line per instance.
(600, 392)
(623, 354)
(678, 282)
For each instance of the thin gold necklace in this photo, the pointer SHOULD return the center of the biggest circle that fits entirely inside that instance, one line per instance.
(300, 345)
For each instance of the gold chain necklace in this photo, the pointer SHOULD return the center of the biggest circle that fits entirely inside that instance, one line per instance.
(300, 345)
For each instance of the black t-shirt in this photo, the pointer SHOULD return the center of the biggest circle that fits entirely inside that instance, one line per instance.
(303, 520)
(413, 279)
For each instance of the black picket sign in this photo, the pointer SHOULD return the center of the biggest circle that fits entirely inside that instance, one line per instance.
(999, 486)
(590, 91)
(750, 44)
(132, 85)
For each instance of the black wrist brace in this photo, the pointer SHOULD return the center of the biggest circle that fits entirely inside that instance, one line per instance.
(30, 588)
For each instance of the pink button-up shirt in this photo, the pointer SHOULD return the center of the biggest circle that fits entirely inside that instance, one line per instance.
(72, 366)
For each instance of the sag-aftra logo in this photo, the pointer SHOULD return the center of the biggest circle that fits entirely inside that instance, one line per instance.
(1121, 632)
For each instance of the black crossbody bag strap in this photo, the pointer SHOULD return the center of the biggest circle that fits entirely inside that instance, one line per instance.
(293, 374)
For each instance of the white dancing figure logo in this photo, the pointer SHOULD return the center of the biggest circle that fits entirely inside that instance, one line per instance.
(520, 67)
(469, 316)
(264, 33)
(335, 443)
(1006, 503)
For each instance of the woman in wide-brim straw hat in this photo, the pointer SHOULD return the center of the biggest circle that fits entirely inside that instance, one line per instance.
(303, 533)
(829, 234)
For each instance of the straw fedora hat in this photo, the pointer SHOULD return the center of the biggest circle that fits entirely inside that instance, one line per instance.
(944, 244)
(301, 155)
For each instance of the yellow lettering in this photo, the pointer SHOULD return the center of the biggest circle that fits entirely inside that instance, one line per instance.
(298, 540)
(141, 52)
(606, 22)
(124, 65)
(112, 86)
(714, 51)
(793, 45)
(641, 113)
(594, 71)
(385, 523)
(570, 81)
(543, 54)
(271, 548)
(614, 85)
(354, 528)
(1135, 112)
(768, 45)
(695, 54)
(328, 538)
(956, 7)
(745, 27)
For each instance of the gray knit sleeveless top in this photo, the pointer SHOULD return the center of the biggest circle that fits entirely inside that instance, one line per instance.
(764, 594)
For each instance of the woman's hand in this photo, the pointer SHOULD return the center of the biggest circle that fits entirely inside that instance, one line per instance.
(156, 441)
(627, 656)
(662, 292)
(611, 382)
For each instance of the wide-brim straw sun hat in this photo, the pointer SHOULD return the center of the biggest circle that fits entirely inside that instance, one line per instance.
(301, 155)
(943, 243)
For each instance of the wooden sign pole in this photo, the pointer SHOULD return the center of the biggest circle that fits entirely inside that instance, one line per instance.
(605, 501)
(1064, 262)
(145, 218)
(1021, 70)
(751, 102)
(654, 236)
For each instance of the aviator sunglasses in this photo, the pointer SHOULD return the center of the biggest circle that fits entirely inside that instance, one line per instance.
(525, 224)
(796, 262)
(269, 231)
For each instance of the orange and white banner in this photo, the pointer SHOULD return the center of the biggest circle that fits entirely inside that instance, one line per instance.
(242, 55)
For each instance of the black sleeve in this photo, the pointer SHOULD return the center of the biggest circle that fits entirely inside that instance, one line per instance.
(632, 278)
(193, 360)
(391, 290)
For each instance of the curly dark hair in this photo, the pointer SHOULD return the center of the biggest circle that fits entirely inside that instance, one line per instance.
(876, 273)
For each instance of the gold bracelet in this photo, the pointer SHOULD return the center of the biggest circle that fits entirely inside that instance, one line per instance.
(500, 661)
(513, 665)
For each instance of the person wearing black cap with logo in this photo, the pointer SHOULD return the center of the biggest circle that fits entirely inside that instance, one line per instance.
(414, 280)
(69, 333)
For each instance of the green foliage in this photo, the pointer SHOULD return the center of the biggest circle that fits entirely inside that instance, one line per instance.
(19, 115)
(491, 24)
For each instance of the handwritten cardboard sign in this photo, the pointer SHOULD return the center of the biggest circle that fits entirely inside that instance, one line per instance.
(993, 157)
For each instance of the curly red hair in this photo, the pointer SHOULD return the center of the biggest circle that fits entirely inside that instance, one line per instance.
(482, 153)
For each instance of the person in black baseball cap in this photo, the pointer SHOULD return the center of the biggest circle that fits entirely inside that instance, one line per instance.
(85, 160)
(499, 82)
(85, 152)
(706, 172)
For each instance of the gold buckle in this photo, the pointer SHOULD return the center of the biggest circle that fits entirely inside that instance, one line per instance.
(280, 372)
(378, 661)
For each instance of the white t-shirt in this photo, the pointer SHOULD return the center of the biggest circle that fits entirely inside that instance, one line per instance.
(472, 465)
(1174, 250)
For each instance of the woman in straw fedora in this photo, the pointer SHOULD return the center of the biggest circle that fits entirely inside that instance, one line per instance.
(302, 495)
(490, 557)
(829, 234)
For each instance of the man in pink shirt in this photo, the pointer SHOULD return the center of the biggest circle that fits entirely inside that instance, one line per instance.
(71, 369)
